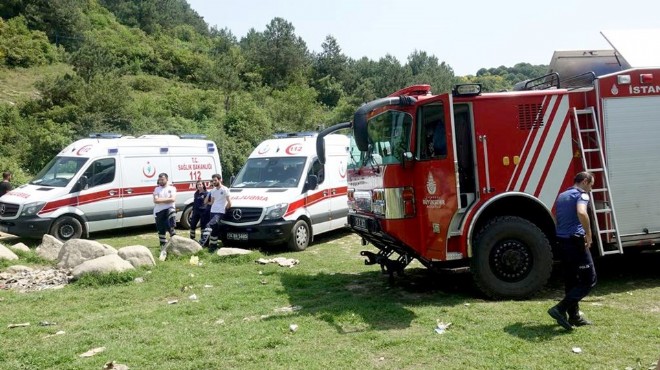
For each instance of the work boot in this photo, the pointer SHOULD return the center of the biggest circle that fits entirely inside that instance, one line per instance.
(579, 321)
(560, 316)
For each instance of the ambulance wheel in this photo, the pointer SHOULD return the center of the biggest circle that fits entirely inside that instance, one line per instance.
(186, 216)
(512, 258)
(300, 236)
(66, 227)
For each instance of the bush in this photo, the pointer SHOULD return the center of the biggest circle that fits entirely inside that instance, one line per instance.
(20, 47)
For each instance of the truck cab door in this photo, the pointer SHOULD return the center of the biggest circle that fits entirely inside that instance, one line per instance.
(435, 181)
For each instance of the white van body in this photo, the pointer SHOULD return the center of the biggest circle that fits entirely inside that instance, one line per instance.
(105, 183)
(273, 200)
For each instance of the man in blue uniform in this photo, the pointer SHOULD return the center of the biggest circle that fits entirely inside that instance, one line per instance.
(574, 237)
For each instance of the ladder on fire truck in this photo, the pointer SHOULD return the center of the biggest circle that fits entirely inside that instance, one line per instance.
(588, 131)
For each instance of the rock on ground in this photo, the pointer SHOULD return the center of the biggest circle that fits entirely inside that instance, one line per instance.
(224, 251)
(181, 246)
(18, 268)
(76, 251)
(7, 254)
(102, 265)
(137, 255)
(19, 247)
(49, 248)
(34, 280)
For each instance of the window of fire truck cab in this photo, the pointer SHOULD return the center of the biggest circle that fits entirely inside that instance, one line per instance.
(389, 136)
(432, 142)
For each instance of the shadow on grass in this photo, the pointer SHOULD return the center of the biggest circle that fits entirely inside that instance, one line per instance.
(338, 298)
(272, 249)
(616, 274)
(535, 333)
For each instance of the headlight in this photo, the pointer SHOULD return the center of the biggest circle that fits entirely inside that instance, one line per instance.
(33, 208)
(276, 211)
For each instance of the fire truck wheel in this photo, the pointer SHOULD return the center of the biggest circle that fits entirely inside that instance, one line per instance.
(66, 227)
(512, 258)
(184, 223)
(299, 236)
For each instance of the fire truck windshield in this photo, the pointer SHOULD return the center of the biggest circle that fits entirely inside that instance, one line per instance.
(389, 137)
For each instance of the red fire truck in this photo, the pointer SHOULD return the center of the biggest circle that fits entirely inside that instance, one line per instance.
(468, 179)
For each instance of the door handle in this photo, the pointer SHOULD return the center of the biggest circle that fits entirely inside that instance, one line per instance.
(325, 193)
(112, 192)
(129, 191)
(334, 191)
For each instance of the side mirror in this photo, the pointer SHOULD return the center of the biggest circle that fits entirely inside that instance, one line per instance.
(312, 182)
(80, 185)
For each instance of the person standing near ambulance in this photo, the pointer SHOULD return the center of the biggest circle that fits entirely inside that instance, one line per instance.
(200, 211)
(164, 211)
(219, 200)
(574, 236)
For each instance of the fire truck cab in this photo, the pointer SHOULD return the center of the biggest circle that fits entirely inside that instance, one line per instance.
(468, 179)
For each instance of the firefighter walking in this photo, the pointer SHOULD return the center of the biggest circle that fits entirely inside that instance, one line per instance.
(575, 238)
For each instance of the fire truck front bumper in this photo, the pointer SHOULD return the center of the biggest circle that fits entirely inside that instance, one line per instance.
(269, 232)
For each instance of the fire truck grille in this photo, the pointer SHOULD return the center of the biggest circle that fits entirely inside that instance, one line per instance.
(530, 117)
(8, 209)
(240, 215)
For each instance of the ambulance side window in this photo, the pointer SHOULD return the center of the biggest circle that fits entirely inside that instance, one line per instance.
(100, 172)
(317, 169)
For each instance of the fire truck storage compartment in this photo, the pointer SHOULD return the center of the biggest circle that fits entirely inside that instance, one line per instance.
(632, 130)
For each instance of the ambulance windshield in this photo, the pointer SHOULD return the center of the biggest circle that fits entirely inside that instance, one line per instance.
(59, 171)
(272, 172)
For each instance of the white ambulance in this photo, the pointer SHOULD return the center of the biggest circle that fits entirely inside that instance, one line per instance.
(106, 182)
(283, 194)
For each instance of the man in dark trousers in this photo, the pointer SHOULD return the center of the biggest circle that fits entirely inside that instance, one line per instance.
(5, 185)
(574, 236)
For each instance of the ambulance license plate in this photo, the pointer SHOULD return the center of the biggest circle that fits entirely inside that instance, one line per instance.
(360, 222)
(237, 236)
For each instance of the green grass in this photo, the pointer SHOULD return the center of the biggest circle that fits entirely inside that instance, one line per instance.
(17, 84)
(350, 317)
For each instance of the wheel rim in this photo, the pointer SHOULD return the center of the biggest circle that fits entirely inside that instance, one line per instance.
(511, 260)
(67, 231)
(301, 236)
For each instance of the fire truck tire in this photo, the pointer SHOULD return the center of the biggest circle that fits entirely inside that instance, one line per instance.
(300, 236)
(66, 227)
(512, 258)
(184, 223)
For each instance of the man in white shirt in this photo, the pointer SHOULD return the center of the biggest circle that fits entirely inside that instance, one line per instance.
(164, 212)
(219, 200)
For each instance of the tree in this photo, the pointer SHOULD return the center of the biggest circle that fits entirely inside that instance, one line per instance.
(21, 47)
(329, 68)
(278, 54)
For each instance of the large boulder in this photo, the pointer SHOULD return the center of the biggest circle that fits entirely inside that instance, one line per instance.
(102, 265)
(76, 251)
(181, 246)
(49, 248)
(19, 247)
(7, 254)
(137, 255)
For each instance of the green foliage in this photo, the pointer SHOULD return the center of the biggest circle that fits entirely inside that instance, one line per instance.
(21, 47)
(512, 75)
(154, 15)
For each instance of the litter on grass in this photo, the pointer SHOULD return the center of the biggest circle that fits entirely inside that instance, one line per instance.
(284, 262)
(92, 352)
(577, 350)
(441, 327)
(11, 326)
